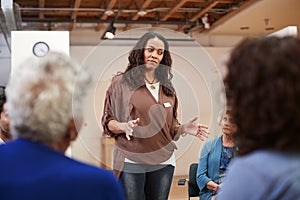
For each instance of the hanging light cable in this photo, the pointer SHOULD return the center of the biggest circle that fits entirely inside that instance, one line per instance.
(111, 29)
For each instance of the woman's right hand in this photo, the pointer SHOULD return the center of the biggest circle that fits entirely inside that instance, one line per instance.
(212, 186)
(127, 127)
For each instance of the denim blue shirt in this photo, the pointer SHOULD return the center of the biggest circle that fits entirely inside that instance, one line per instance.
(209, 166)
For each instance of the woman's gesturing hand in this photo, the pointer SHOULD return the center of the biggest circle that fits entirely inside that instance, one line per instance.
(127, 127)
(198, 130)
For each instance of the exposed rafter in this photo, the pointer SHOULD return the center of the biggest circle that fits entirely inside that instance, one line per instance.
(41, 14)
(177, 14)
(136, 16)
(104, 16)
(222, 19)
(200, 14)
(74, 14)
(174, 9)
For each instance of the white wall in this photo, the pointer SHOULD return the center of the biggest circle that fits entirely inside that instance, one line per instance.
(22, 43)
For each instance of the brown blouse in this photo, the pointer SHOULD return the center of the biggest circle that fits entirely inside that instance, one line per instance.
(152, 141)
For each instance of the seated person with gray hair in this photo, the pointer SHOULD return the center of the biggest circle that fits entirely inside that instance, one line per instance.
(44, 101)
(4, 120)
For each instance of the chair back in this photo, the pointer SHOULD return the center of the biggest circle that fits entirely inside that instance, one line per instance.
(193, 189)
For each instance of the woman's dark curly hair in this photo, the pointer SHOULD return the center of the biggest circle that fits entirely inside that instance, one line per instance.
(263, 87)
(134, 74)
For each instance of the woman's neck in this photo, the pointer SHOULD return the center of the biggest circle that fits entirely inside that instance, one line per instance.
(150, 77)
(228, 140)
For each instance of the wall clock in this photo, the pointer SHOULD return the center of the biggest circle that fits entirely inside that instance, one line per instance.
(40, 49)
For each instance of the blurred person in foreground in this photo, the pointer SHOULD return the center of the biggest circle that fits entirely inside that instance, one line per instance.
(4, 120)
(264, 91)
(42, 96)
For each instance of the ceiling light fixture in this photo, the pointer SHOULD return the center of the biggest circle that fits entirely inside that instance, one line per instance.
(109, 32)
(142, 13)
(109, 12)
(205, 21)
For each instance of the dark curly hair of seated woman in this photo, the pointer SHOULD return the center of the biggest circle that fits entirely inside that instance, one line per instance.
(264, 89)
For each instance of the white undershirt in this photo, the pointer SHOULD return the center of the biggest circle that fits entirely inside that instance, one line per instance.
(154, 92)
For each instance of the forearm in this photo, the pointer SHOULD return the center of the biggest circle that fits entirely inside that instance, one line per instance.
(176, 129)
(114, 127)
(179, 130)
(123, 127)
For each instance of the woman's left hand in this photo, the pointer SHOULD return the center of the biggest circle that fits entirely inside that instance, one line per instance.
(198, 130)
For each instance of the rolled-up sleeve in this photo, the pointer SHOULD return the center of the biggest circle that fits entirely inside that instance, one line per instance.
(108, 108)
(175, 125)
(116, 104)
(107, 114)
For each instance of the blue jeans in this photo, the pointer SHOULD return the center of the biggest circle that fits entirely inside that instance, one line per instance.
(148, 182)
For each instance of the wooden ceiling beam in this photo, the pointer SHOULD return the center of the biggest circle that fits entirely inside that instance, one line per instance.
(172, 11)
(136, 16)
(110, 5)
(200, 14)
(144, 6)
(181, 27)
(178, 5)
(231, 14)
(226, 1)
(74, 14)
(41, 13)
(169, 10)
(197, 1)
(203, 11)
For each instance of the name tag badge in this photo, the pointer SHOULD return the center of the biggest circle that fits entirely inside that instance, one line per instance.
(167, 105)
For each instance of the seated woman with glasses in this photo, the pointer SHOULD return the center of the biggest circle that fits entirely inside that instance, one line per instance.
(215, 157)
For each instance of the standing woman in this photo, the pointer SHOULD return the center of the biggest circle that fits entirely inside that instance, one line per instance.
(215, 157)
(140, 112)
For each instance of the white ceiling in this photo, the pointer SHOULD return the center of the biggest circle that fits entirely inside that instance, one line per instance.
(280, 13)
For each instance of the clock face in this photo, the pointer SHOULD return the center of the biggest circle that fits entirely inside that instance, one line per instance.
(40, 49)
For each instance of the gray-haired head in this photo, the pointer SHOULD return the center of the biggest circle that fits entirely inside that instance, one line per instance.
(42, 96)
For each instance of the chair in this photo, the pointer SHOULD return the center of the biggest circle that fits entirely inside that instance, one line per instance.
(193, 190)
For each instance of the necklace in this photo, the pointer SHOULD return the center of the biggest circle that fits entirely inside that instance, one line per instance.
(151, 83)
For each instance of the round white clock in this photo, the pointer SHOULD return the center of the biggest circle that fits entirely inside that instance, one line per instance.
(40, 49)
